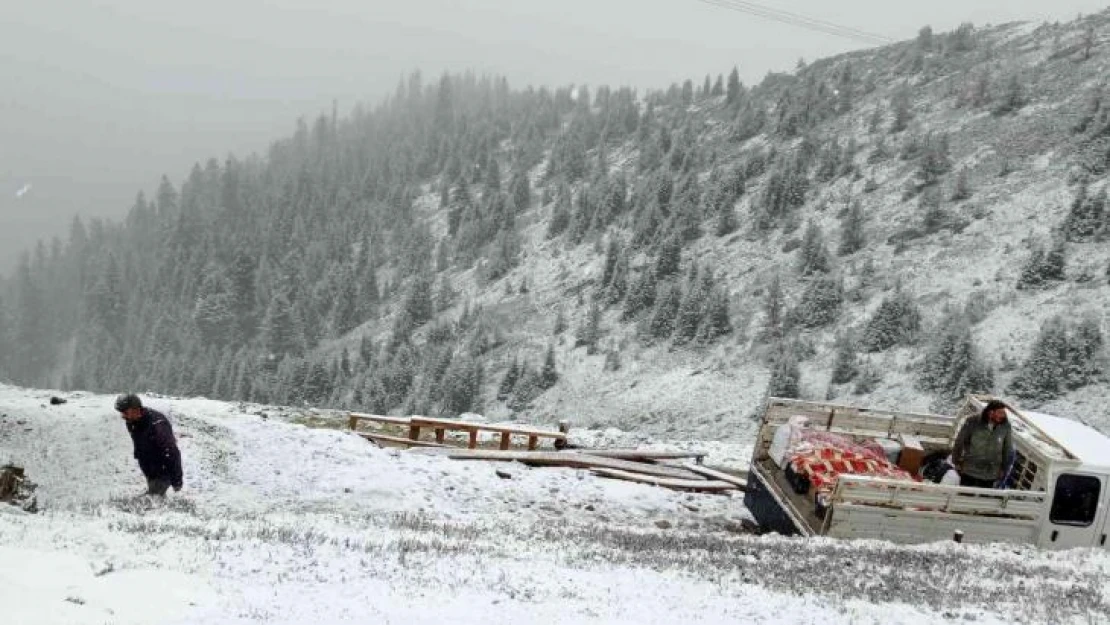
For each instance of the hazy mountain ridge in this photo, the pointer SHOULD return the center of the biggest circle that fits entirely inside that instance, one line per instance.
(195, 292)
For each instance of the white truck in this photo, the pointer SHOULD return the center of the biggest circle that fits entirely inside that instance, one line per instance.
(1056, 496)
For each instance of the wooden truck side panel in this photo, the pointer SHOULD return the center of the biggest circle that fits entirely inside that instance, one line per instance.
(912, 526)
(866, 507)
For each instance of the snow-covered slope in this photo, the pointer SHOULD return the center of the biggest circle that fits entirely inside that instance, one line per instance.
(279, 523)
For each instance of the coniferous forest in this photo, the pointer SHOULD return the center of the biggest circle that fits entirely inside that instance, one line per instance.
(339, 267)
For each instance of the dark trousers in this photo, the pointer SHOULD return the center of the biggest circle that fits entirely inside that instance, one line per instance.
(967, 480)
(157, 486)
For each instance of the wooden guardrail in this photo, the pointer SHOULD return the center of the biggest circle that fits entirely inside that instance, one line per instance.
(441, 426)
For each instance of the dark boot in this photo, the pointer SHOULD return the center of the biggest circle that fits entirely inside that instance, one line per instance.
(157, 486)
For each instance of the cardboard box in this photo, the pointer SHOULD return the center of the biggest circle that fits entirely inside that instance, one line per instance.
(913, 454)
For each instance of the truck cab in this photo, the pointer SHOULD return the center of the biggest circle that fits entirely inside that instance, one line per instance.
(1076, 483)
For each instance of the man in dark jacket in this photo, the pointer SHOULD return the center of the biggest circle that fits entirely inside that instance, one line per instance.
(983, 447)
(155, 446)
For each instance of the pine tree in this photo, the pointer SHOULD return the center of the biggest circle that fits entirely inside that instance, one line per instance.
(813, 256)
(549, 375)
(785, 381)
(344, 314)
(527, 389)
(820, 303)
(734, 87)
(668, 258)
(662, 321)
(609, 267)
(851, 230)
(897, 321)
(934, 217)
(726, 222)
(366, 350)
(717, 320)
(560, 216)
(280, 332)
(845, 365)
(244, 291)
(1043, 375)
(462, 385)
(416, 310)
(867, 380)
(952, 366)
(1013, 97)
(214, 312)
(1043, 268)
(935, 160)
(691, 311)
(560, 324)
(719, 86)
(925, 39)
(589, 333)
(961, 190)
(317, 383)
(1084, 358)
(512, 374)
(773, 307)
(1087, 219)
(642, 295)
(901, 106)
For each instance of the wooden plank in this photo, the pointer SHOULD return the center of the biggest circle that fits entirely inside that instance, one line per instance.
(574, 460)
(439, 435)
(473, 442)
(414, 432)
(397, 439)
(533, 442)
(352, 422)
(721, 476)
(677, 484)
(506, 438)
(642, 454)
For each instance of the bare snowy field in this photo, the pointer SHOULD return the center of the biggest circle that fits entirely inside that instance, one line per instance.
(279, 523)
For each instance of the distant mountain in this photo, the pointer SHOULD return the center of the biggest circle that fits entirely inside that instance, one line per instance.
(897, 226)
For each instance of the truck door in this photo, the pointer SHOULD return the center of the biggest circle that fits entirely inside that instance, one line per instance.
(1075, 516)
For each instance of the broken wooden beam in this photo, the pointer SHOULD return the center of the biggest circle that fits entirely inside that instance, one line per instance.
(575, 460)
(377, 438)
(643, 454)
(673, 483)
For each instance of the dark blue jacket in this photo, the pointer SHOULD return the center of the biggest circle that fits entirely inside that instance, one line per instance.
(155, 447)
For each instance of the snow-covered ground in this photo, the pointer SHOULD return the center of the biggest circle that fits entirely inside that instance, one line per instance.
(280, 523)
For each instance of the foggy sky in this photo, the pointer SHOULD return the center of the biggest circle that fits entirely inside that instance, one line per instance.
(99, 99)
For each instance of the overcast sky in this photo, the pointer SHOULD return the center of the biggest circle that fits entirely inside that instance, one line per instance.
(100, 98)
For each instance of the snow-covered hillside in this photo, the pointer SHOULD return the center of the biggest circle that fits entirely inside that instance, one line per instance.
(280, 523)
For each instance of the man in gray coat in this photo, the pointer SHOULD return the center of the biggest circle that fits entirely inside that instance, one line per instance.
(983, 447)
